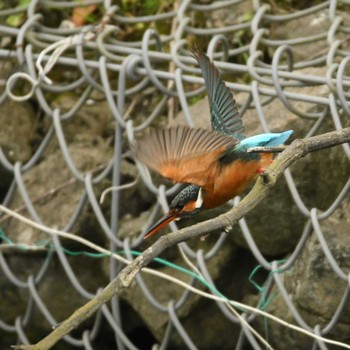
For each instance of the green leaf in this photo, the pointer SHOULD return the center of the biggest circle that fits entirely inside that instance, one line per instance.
(15, 20)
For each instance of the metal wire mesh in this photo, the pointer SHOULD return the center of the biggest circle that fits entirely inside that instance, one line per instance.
(123, 61)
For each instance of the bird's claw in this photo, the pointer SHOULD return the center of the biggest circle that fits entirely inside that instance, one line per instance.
(264, 174)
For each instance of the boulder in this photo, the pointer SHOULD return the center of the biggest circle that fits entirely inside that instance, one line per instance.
(305, 26)
(17, 135)
(230, 276)
(314, 287)
(55, 193)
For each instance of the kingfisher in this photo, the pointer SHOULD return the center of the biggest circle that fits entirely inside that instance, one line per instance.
(214, 164)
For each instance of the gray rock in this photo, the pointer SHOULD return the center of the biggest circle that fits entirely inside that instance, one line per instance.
(17, 133)
(55, 289)
(308, 26)
(17, 130)
(314, 288)
(55, 193)
(130, 226)
(197, 312)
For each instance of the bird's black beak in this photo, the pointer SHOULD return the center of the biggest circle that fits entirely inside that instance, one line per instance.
(162, 222)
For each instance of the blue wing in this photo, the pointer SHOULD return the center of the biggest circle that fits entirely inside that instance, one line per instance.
(271, 139)
(225, 116)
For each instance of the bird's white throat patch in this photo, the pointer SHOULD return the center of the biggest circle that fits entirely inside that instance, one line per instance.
(199, 201)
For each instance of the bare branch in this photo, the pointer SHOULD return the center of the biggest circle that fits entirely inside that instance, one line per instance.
(296, 150)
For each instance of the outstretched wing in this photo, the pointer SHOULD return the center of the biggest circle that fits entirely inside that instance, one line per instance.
(183, 154)
(225, 116)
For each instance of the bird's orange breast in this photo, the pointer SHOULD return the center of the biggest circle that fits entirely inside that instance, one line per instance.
(232, 179)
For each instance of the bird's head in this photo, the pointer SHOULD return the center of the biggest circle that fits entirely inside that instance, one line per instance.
(187, 203)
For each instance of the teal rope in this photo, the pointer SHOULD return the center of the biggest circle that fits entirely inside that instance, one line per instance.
(263, 303)
(47, 244)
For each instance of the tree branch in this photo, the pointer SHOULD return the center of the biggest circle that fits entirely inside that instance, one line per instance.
(263, 185)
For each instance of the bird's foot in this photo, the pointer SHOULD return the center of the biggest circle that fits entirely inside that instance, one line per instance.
(264, 174)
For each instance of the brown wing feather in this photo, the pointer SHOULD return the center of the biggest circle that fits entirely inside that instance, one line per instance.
(183, 154)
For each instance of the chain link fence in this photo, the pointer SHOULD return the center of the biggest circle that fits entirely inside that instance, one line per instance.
(79, 80)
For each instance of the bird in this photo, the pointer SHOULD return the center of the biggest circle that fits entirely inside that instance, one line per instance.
(214, 164)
